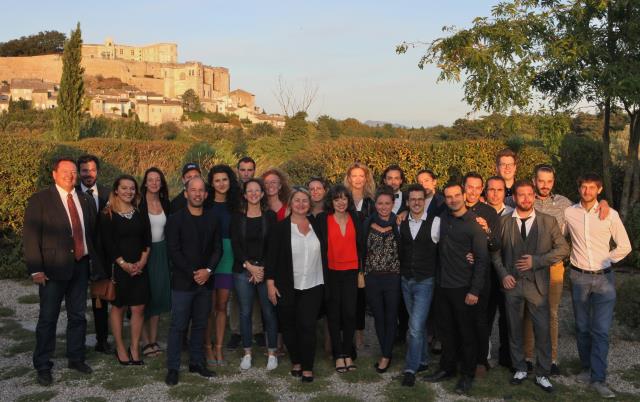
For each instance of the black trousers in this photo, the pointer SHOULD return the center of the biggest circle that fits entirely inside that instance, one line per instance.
(342, 289)
(383, 296)
(361, 309)
(481, 327)
(101, 320)
(497, 304)
(456, 330)
(403, 320)
(74, 293)
(298, 325)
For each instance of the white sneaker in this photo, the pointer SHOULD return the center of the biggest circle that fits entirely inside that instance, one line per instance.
(245, 363)
(489, 351)
(518, 377)
(584, 377)
(544, 383)
(603, 390)
(272, 363)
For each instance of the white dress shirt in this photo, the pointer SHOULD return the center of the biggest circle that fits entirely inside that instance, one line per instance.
(358, 204)
(505, 210)
(415, 224)
(397, 202)
(63, 197)
(528, 223)
(94, 194)
(590, 237)
(306, 258)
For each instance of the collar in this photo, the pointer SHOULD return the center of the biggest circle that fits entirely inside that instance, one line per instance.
(532, 215)
(551, 197)
(422, 218)
(63, 193)
(85, 188)
(592, 210)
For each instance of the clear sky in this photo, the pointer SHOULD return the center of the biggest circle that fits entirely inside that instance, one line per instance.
(347, 48)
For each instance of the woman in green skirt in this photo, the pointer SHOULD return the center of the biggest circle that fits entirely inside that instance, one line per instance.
(155, 203)
(226, 200)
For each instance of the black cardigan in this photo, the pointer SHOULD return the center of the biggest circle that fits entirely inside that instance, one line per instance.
(280, 261)
(238, 232)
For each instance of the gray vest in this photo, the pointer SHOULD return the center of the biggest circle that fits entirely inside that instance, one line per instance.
(526, 247)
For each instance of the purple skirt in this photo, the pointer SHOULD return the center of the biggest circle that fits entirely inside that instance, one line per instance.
(223, 281)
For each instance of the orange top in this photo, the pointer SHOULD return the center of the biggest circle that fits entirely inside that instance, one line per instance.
(342, 252)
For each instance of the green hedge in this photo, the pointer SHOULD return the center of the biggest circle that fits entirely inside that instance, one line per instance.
(449, 160)
(25, 167)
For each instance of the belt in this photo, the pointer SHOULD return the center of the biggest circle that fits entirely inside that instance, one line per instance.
(598, 272)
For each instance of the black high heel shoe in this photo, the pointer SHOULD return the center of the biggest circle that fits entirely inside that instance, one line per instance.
(134, 362)
(122, 362)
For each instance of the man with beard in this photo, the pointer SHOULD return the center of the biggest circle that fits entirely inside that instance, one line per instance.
(592, 280)
(194, 242)
(530, 242)
(458, 287)
(89, 167)
(488, 220)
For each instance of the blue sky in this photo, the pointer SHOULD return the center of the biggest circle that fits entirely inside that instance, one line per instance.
(345, 47)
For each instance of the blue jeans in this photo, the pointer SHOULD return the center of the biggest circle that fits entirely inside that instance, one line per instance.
(417, 297)
(594, 297)
(74, 294)
(246, 291)
(192, 305)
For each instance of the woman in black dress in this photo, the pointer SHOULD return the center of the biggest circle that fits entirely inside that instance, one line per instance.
(126, 236)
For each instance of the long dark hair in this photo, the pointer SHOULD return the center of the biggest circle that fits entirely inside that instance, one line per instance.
(264, 204)
(233, 195)
(338, 191)
(164, 189)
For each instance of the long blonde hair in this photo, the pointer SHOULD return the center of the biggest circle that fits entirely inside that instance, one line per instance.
(369, 189)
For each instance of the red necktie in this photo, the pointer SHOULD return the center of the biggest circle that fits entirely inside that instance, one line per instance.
(76, 228)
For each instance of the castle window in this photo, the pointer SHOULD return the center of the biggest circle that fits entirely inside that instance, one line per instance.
(132, 52)
(121, 51)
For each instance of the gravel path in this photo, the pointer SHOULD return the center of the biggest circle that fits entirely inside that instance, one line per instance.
(623, 355)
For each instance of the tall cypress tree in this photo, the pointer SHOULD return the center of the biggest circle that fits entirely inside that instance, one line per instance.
(69, 112)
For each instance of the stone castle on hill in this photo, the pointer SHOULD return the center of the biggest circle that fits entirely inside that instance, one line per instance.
(151, 73)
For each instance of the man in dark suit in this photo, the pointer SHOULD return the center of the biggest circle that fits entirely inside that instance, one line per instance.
(89, 167)
(530, 243)
(194, 240)
(59, 228)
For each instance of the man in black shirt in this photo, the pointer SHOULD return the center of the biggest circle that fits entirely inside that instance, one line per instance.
(458, 287)
(488, 220)
(194, 242)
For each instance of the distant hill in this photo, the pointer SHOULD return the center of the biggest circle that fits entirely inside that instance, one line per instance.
(375, 123)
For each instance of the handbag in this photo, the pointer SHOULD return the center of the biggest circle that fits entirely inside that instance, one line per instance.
(360, 280)
(104, 289)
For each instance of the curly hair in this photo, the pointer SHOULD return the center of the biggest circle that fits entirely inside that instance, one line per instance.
(335, 192)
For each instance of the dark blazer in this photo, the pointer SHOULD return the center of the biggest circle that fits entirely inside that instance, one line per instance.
(103, 195)
(323, 235)
(550, 247)
(48, 242)
(368, 207)
(166, 206)
(185, 252)
(437, 205)
(279, 265)
(239, 233)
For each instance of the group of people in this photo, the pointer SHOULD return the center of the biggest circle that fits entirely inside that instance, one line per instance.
(233, 249)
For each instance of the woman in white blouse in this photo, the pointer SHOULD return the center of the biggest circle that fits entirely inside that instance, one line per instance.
(295, 282)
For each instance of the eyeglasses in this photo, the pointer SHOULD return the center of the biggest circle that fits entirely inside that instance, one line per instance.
(507, 165)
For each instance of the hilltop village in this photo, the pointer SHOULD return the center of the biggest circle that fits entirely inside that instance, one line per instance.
(121, 80)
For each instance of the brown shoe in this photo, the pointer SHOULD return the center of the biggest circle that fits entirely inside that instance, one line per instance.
(481, 371)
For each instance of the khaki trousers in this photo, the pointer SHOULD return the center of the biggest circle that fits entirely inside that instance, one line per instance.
(556, 279)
